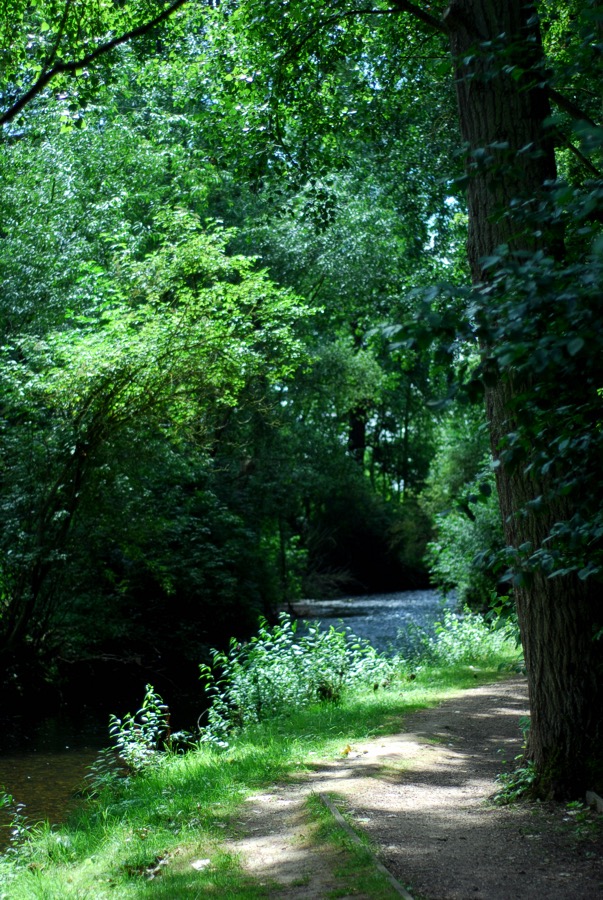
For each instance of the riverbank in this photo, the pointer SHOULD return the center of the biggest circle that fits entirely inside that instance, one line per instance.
(421, 799)
(152, 835)
(43, 756)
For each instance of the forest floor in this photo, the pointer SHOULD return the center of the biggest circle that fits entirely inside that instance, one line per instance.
(422, 797)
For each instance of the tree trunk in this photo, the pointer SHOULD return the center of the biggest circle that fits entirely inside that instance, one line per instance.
(501, 115)
(357, 434)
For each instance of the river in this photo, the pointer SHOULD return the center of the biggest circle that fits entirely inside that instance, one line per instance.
(388, 621)
(52, 759)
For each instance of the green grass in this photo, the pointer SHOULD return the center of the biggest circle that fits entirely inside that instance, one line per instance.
(356, 862)
(158, 823)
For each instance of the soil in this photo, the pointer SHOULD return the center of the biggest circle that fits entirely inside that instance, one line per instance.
(423, 798)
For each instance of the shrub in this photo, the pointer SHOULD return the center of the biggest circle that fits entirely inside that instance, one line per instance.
(139, 737)
(463, 555)
(463, 638)
(278, 670)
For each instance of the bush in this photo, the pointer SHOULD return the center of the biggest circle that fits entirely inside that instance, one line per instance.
(139, 738)
(277, 671)
(463, 557)
(464, 638)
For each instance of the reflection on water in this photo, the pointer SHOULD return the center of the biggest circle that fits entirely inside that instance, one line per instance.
(44, 766)
(45, 782)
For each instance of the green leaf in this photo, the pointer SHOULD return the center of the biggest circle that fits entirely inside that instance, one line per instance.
(575, 346)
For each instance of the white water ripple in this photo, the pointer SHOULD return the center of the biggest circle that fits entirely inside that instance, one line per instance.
(388, 621)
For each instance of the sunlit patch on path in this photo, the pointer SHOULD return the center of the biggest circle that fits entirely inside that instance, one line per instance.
(421, 797)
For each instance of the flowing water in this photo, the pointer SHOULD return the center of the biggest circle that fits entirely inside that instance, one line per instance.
(45, 767)
(388, 621)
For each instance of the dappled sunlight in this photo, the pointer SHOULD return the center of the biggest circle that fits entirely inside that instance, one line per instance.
(422, 798)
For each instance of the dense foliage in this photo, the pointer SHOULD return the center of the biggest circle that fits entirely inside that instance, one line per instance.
(184, 441)
(244, 349)
(279, 670)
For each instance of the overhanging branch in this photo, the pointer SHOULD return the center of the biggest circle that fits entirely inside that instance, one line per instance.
(569, 107)
(62, 67)
(422, 14)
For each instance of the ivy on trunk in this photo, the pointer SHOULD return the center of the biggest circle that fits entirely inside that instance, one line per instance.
(503, 112)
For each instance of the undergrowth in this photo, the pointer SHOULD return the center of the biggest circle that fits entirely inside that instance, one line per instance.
(277, 670)
(157, 819)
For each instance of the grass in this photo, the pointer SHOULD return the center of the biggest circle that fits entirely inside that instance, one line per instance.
(356, 862)
(138, 839)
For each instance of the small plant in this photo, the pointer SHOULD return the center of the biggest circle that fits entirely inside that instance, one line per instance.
(105, 772)
(585, 822)
(139, 738)
(515, 785)
(277, 670)
(18, 825)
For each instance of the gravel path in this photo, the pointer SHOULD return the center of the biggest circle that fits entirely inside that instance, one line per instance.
(422, 798)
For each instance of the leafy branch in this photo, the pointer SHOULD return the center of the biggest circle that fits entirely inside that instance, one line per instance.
(58, 68)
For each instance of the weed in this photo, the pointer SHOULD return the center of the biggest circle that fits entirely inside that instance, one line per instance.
(139, 737)
(18, 825)
(515, 785)
(586, 823)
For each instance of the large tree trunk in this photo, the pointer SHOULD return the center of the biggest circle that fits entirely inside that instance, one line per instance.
(557, 616)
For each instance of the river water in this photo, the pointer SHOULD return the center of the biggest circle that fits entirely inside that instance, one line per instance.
(388, 621)
(50, 765)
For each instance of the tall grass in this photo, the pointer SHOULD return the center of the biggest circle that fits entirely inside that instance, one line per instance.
(140, 834)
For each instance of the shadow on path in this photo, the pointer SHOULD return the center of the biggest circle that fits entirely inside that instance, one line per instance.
(422, 798)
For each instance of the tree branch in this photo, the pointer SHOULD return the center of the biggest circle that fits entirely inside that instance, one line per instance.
(579, 155)
(46, 76)
(422, 14)
(569, 107)
(399, 6)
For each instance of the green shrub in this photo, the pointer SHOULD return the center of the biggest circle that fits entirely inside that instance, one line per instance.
(277, 670)
(139, 738)
(463, 555)
(463, 638)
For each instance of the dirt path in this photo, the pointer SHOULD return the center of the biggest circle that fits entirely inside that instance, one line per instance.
(422, 798)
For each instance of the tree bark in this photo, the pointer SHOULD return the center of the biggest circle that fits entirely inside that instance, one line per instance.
(498, 61)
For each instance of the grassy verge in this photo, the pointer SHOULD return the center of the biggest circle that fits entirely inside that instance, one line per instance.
(140, 838)
(356, 869)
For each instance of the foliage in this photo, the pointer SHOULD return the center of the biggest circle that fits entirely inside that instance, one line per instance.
(277, 671)
(140, 737)
(548, 334)
(144, 343)
(463, 556)
(44, 41)
(158, 364)
(517, 784)
(462, 497)
(463, 638)
(461, 454)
